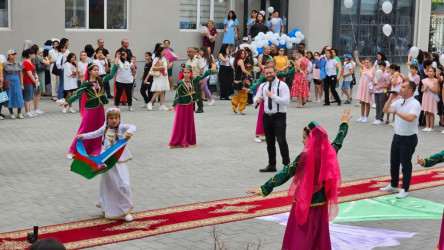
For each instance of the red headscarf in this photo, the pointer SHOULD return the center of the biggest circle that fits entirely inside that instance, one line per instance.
(317, 167)
(84, 96)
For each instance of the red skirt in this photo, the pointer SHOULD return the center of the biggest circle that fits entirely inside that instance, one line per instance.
(314, 234)
(184, 132)
(259, 124)
(441, 236)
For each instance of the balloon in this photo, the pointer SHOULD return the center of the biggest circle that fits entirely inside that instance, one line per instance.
(276, 35)
(441, 59)
(253, 46)
(255, 54)
(387, 29)
(221, 1)
(302, 37)
(298, 41)
(348, 3)
(260, 51)
(387, 7)
(269, 35)
(255, 60)
(289, 45)
(275, 42)
(282, 42)
(291, 34)
(298, 34)
(274, 21)
(270, 9)
(293, 40)
(414, 51)
(434, 65)
(378, 74)
(270, 43)
(295, 30)
(231, 60)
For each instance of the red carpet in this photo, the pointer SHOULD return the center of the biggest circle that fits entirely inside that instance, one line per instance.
(94, 232)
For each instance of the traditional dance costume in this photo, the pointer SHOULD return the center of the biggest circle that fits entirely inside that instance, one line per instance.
(429, 162)
(364, 94)
(258, 83)
(299, 87)
(115, 198)
(93, 112)
(184, 132)
(314, 188)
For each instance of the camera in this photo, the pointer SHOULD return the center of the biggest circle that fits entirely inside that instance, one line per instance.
(33, 236)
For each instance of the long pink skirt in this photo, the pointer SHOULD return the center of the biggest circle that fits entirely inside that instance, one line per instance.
(259, 124)
(441, 236)
(184, 132)
(314, 234)
(92, 120)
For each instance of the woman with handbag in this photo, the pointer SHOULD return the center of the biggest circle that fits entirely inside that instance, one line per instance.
(14, 85)
(241, 82)
(92, 107)
(40, 67)
(53, 54)
(226, 73)
(160, 78)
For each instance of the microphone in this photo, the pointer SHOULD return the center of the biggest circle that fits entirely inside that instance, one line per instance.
(390, 92)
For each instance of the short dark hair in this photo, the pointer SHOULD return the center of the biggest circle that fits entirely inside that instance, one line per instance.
(395, 67)
(412, 86)
(303, 44)
(427, 63)
(382, 63)
(166, 40)
(413, 66)
(149, 54)
(64, 40)
(44, 244)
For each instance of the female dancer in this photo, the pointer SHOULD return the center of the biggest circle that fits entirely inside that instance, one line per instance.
(364, 95)
(240, 74)
(300, 85)
(115, 198)
(92, 110)
(184, 132)
(314, 188)
(430, 88)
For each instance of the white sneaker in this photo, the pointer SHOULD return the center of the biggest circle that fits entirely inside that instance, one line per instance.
(374, 106)
(29, 115)
(130, 109)
(389, 188)
(20, 116)
(212, 102)
(357, 104)
(257, 139)
(163, 108)
(134, 99)
(377, 122)
(12, 116)
(72, 110)
(262, 138)
(60, 100)
(430, 130)
(39, 112)
(1, 118)
(69, 156)
(364, 120)
(442, 132)
(128, 218)
(402, 194)
(149, 106)
(34, 113)
(64, 110)
(360, 119)
(144, 105)
(424, 129)
(392, 124)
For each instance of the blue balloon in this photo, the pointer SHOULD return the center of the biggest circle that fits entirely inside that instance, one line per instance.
(282, 46)
(292, 34)
(295, 30)
(260, 51)
(269, 43)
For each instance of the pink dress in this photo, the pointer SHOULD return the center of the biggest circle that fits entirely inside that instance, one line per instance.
(300, 85)
(363, 93)
(429, 103)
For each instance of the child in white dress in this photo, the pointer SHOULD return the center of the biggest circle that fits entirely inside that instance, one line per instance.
(115, 198)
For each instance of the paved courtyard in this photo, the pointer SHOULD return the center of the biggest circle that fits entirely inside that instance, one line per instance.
(37, 187)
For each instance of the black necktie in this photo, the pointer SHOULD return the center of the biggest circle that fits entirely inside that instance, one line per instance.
(270, 101)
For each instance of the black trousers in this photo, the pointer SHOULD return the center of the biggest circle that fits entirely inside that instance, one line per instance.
(198, 91)
(106, 86)
(401, 152)
(275, 127)
(145, 91)
(128, 87)
(330, 83)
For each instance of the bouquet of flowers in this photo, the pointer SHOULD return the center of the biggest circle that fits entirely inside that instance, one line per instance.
(248, 67)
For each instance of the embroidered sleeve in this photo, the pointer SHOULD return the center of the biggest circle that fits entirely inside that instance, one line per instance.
(337, 143)
(280, 178)
(434, 159)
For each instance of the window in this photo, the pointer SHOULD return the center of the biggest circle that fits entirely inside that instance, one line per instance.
(4, 13)
(360, 27)
(195, 13)
(95, 14)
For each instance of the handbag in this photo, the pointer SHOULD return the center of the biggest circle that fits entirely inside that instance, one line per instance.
(3, 97)
(40, 66)
(56, 71)
(154, 73)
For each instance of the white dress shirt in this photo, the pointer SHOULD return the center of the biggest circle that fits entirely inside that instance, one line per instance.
(282, 100)
(410, 106)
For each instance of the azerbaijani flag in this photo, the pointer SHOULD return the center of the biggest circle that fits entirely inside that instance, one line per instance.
(90, 166)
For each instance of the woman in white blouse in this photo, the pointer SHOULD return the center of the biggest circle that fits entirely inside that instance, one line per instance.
(124, 80)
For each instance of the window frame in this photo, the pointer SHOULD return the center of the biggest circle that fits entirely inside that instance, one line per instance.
(197, 29)
(105, 19)
(8, 10)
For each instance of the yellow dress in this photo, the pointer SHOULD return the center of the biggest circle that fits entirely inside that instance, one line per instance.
(281, 61)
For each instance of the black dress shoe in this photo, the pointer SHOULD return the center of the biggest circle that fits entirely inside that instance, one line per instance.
(109, 96)
(339, 103)
(326, 104)
(199, 110)
(269, 168)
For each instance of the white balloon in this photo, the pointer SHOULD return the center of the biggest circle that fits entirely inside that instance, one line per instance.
(387, 7)
(348, 3)
(434, 65)
(274, 21)
(253, 46)
(275, 42)
(270, 9)
(288, 39)
(302, 37)
(298, 34)
(281, 42)
(255, 54)
(378, 74)
(293, 40)
(414, 51)
(387, 29)
(255, 59)
(289, 45)
(269, 35)
(441, 59)
(221, 1)
(275, 35)
(231, 60)
(264, 43)
(261, 35)
(298, 41)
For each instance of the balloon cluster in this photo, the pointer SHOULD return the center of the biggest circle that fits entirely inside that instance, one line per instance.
(281, 41)
(387, 7)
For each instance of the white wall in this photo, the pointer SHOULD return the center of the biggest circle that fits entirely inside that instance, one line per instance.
(423, 12)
